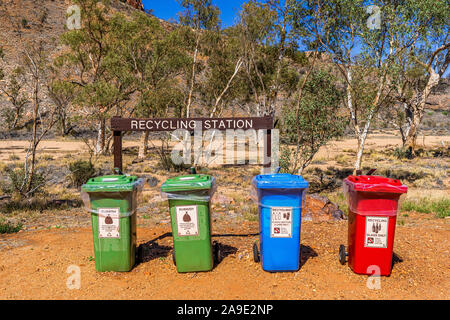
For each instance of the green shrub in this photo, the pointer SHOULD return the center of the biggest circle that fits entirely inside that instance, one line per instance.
(252, 214)
(24, 23)
(8, 227)
(165, 162)
(312, 122)
(13, 157)
(47, 157)
(403, 174)
(285, 159)
(18, 181)
(401, 153)
(80, 172)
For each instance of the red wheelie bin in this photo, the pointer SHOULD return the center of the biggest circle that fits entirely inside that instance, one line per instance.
(373, 203)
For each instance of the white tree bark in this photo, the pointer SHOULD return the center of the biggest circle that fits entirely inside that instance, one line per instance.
(99, 147)
(191, 88)
(143, 145)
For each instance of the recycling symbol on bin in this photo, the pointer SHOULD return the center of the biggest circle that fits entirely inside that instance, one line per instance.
(108, 220)
(376, 227)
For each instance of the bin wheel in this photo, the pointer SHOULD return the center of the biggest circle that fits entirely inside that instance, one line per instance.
(255, 252)
(173, 258)
(342, 254)
(217, 252)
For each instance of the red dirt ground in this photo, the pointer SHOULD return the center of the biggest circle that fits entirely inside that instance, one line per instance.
(33, 265)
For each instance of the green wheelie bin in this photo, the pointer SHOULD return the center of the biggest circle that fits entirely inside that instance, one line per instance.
(189, 203)
(112, 201)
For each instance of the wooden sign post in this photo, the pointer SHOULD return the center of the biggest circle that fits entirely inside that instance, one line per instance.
(119, 125)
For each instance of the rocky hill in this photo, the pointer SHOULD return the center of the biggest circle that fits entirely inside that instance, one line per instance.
(440, 96)
(135, 4)
(22, 21)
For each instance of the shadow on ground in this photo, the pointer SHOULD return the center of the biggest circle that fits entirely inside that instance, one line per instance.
(151, 250)
(396, 259)
(225, 251)
(306, 252)
(235, 235)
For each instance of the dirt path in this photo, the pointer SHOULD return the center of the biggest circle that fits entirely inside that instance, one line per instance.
(59, 148)
(33, 265)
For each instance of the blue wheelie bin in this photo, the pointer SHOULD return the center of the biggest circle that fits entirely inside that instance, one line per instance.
(280, 199)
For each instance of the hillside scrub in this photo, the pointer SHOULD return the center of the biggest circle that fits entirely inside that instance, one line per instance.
(130, 64)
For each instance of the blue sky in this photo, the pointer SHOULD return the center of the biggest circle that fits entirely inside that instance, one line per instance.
(168, 9)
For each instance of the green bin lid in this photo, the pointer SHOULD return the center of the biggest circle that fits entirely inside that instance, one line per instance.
(188, 183)
(110, 183)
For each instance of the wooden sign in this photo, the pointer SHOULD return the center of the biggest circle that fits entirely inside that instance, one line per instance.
(119, 124)
(191, 124)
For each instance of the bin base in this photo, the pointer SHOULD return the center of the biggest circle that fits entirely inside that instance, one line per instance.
(281, 271)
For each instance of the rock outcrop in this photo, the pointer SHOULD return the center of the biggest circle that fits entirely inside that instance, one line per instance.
(137, 4)
(440, 96)
(320, 208)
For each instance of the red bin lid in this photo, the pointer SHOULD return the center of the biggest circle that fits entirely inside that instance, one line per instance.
(375, 184)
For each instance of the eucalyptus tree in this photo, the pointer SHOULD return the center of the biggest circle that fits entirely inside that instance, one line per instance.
(419, 69)
(222, 77)
(35, 61)
(311, 121)
(15, 90)
(103, 84)
(62, 94)
(156, 57)
(200, 21)
(361, 39)
(270, 54)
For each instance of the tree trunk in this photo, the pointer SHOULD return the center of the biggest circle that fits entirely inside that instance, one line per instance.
(101, 137)
(34, 138)
(411, 137)
(63, 128)
(362, 136)
(143, 145)
(16, 119)
(191, 88)
(409, 116)
(419, 110)
(359, 154)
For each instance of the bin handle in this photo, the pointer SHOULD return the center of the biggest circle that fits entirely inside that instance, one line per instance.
(117, 171)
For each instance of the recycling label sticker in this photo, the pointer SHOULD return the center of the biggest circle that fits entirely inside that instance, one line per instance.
(376, 232)
(109, 222)
(187, 221)
(281, 222)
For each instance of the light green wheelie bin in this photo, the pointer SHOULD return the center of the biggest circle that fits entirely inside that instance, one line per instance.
(112, 201)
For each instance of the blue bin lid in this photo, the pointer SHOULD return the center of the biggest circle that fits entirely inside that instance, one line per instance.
(279, 181)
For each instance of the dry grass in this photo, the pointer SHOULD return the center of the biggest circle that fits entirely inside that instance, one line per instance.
(439, 207)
